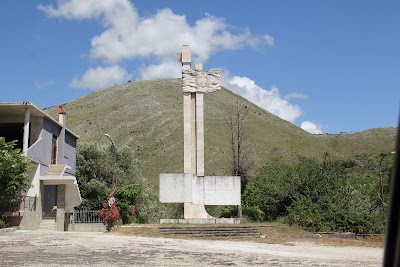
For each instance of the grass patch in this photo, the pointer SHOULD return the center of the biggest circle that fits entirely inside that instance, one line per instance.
(272, 233)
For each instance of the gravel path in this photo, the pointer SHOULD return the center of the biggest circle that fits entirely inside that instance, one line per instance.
(45, 248)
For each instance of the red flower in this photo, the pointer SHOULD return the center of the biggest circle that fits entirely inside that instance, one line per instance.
(110, 213)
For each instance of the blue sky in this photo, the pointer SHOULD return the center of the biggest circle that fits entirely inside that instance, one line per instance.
(327, 66)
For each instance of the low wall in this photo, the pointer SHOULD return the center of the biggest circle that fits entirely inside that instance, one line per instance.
(202, 221)
(32, 213)
(86, 227)
(13, 218)
(31, 220)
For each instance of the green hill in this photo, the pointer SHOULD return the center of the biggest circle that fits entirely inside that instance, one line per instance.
(147, 116)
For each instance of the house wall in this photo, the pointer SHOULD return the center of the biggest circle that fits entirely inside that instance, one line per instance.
(35, 129)
(34, 174)
(40, 151)
(49, 129)
(70, 153)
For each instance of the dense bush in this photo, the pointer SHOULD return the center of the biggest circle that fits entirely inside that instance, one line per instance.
(271, 190)
(314, 195)
(127, 199)
(253, 214)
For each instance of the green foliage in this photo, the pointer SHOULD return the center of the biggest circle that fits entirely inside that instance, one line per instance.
(93, 172)
(127, 199)
(254, 214)
(13, 171)
(94, 193)
(271, 190)
(229, 212)
(94, 175)
(2, 224)
(314, 195)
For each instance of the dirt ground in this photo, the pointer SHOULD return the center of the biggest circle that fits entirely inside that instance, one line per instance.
(49, 248)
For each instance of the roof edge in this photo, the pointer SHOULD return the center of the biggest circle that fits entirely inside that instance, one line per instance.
(31, 105)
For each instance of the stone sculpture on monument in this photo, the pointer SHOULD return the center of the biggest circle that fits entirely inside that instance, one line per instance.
(193, 188)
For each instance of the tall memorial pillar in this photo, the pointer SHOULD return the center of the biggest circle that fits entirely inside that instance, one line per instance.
(193, 128)
(193, 188)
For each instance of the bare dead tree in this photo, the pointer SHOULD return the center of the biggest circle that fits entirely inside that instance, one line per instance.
(241, 161)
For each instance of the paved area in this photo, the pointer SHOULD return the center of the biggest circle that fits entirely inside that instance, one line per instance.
(46, 248)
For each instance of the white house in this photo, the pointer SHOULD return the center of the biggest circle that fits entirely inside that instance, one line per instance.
(51, 147)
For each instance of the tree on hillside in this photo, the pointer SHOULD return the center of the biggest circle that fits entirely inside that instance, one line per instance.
(13, 172)
(241, 160)
(94, 175)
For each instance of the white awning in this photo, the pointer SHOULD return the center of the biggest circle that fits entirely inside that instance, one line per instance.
(72, 193)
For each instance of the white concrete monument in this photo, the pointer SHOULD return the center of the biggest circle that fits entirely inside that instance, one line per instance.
(193, 188)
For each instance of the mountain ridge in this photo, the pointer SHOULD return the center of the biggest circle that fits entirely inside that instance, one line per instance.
(148, 117)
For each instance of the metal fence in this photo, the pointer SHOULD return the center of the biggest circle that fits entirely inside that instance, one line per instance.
(87, 216)
(29, 203)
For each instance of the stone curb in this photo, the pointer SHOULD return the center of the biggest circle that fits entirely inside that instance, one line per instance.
(9, 229)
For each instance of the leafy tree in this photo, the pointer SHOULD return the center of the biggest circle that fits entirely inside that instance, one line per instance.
(94, 172)
(94, 193)
(13, 171)
(94, 175)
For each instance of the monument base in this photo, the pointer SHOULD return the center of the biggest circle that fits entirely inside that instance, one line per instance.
(201, 221)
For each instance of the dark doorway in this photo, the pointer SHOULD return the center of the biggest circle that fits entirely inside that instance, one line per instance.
(50, 200)
(54, 150)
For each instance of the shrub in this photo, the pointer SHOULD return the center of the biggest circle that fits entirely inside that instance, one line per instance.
(228, 212)
(110, 214)
(253, 214)
(2, 224)
(313, 195)
(127, 199)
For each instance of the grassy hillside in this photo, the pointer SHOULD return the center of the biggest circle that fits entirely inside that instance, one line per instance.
(147, 116)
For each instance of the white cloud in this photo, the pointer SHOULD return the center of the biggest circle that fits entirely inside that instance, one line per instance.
(153, 42)
(44, 84)
(100, 78)
(269, 39)
(269, 100)
(78, 9)
(295, 96)
(311, 127)
(128, 36)
(167, 69)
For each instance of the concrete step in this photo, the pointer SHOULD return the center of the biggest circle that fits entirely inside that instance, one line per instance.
(50, 215)
(55, 170)
(227, 234)
(48, 224)
(199, 231)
